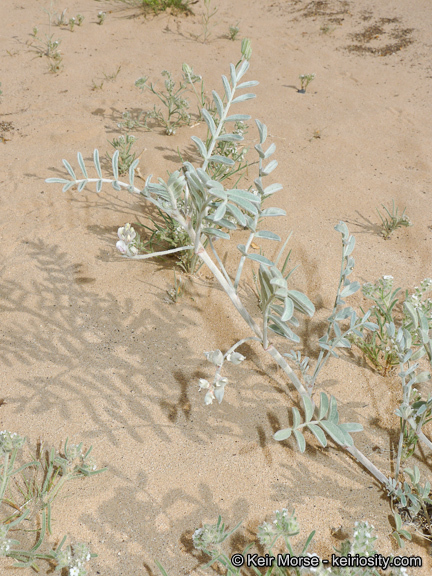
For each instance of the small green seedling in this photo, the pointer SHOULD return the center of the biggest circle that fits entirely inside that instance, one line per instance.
(233, 31)
(101, 17)
(392, 221)
(305, 80)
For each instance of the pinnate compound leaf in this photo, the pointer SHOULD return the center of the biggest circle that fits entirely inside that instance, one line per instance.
(282, 434)
(301, 442)
(318, 433)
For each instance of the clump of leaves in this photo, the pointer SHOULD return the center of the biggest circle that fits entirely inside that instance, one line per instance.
(157, 6)
(27, 493)
(388, 312)
(126, 158)
(47, 46)
(233, 31)
(305, 80)
(174, 114)
(392, 220)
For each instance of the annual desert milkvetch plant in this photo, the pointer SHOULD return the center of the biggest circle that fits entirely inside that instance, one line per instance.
(207, 212)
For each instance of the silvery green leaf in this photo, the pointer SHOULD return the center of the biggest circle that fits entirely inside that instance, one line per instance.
(351, 427)
(233, 75)
(288, 310)
(97, 163)
(220, 212)
(282, 329)
(209, 121)
(238, 118)
(242, 249)
(229, 138)
(267, 235)
(200, 145)
(57, 181)
(248, 84)
(333, 413)
(270, 150)
(308, 406)
(371, 326)
(218, 193)
(296, 418)
(258, 184)
(324, 405)
(281, 282)
(422, 377)
(343, 343)
(259, 149)
(116, 185)
(318, 433)
(269, 168)
(349, 247)
(218, 103)
(115, 164)
(132, 168)
(282, 434)
(215, 357)
(243, 97)
(99, 186)
(273, 212)
(82, 185)
(226, 88)
(262, 129)
(69, 169)
(243, 194)
(343, 314)
(334, 432)
(223, 222)
(337, 330)
(302, 302)
(269, 190)
(235, 358)
(219, 394)
(410, 311)
(244, 67)
(221, 160)
(67, 186)
(418, 354)
(204, 384)
(343, 229)
(350, 289)
(259, 258)
(301, 442)
(281, 293)
(216, 232)
(244, 204)
(82, 165)
(238, 214)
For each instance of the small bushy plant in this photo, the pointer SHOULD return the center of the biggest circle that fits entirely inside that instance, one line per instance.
(126, 157)
(27, 493)
(391, 220)
(157, 6)
(305, 80)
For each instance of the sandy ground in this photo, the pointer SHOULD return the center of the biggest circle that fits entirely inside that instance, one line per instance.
(91, 349)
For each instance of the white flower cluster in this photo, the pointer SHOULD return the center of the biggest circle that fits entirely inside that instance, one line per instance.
(5, 543)
(285, 525)
(10, 441)
(74, 558)
(126, 244)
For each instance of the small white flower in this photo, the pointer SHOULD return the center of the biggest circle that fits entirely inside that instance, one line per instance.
(209, 397)
(204, 384)
(122, 246)
(387, 277)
